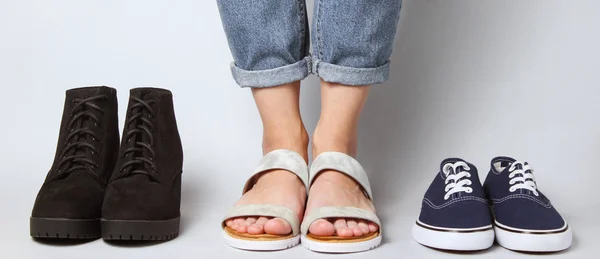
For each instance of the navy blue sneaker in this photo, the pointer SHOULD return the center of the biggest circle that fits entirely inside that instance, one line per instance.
(525, 220)
(455, 214)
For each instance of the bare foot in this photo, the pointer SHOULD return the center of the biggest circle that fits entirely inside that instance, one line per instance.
(278, 187)
(332, 188)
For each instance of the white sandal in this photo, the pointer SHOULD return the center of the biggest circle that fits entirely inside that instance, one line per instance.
(278, 159)
(335, 244)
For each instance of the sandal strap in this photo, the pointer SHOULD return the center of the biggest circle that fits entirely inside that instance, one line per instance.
(265, 210)
(280, 159)
(338, 212)
(344, 164)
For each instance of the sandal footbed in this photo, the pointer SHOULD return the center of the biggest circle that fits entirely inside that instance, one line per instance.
(255, 237)
(338, 239)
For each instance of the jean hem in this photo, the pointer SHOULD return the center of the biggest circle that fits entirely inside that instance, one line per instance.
(350, 75)
(272, 77)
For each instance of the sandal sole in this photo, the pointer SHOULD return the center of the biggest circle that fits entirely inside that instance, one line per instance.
(260, 244)
(337, 247)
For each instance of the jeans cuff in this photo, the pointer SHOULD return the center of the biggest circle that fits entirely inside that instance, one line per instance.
(351, 75)
(272, 77)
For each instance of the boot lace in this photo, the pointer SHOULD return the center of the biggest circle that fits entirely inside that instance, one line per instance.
(73, 157)
(139, 131)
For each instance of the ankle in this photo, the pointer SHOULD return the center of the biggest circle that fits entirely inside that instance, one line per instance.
(293, 138)
(336, 139)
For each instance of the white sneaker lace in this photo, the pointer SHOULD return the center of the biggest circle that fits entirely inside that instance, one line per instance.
(525, 181)
(457, 185)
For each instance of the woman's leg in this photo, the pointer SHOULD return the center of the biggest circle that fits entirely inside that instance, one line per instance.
(282, 129)
(269, 43)
(353, 40)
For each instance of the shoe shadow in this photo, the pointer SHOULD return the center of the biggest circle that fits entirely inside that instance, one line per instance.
(477, 252)
(62, 241)
(574, 245)
(134, 243)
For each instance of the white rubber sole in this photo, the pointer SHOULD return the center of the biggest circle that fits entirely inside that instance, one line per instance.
(454, 239)
(533, 242)
(260, 245)
(339, 248)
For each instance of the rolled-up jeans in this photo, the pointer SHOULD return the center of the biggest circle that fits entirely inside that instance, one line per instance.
(269, 39)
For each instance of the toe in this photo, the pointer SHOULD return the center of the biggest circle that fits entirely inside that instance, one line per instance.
(357, 232)
(239, 221)
(322, 227)
(250, 221)
(364, 228)
(353, 225)
(277, 226)
(345, 232)
(373, 227)
(341, 228)
(242, 228)
(258, 227)
(239, 224)
(262, 220)
(229, 222)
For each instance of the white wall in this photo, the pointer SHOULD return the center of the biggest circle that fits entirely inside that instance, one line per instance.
(473, 79)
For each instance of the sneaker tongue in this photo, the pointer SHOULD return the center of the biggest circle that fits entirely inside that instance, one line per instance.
(502, 163)
(452, 171)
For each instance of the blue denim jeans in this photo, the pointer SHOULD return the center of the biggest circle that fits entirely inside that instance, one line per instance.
(352, 40)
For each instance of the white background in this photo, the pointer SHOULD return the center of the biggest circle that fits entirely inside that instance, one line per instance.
(473, 79)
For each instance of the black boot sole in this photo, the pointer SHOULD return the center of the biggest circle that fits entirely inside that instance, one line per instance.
(140, 230)
(59, 228)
